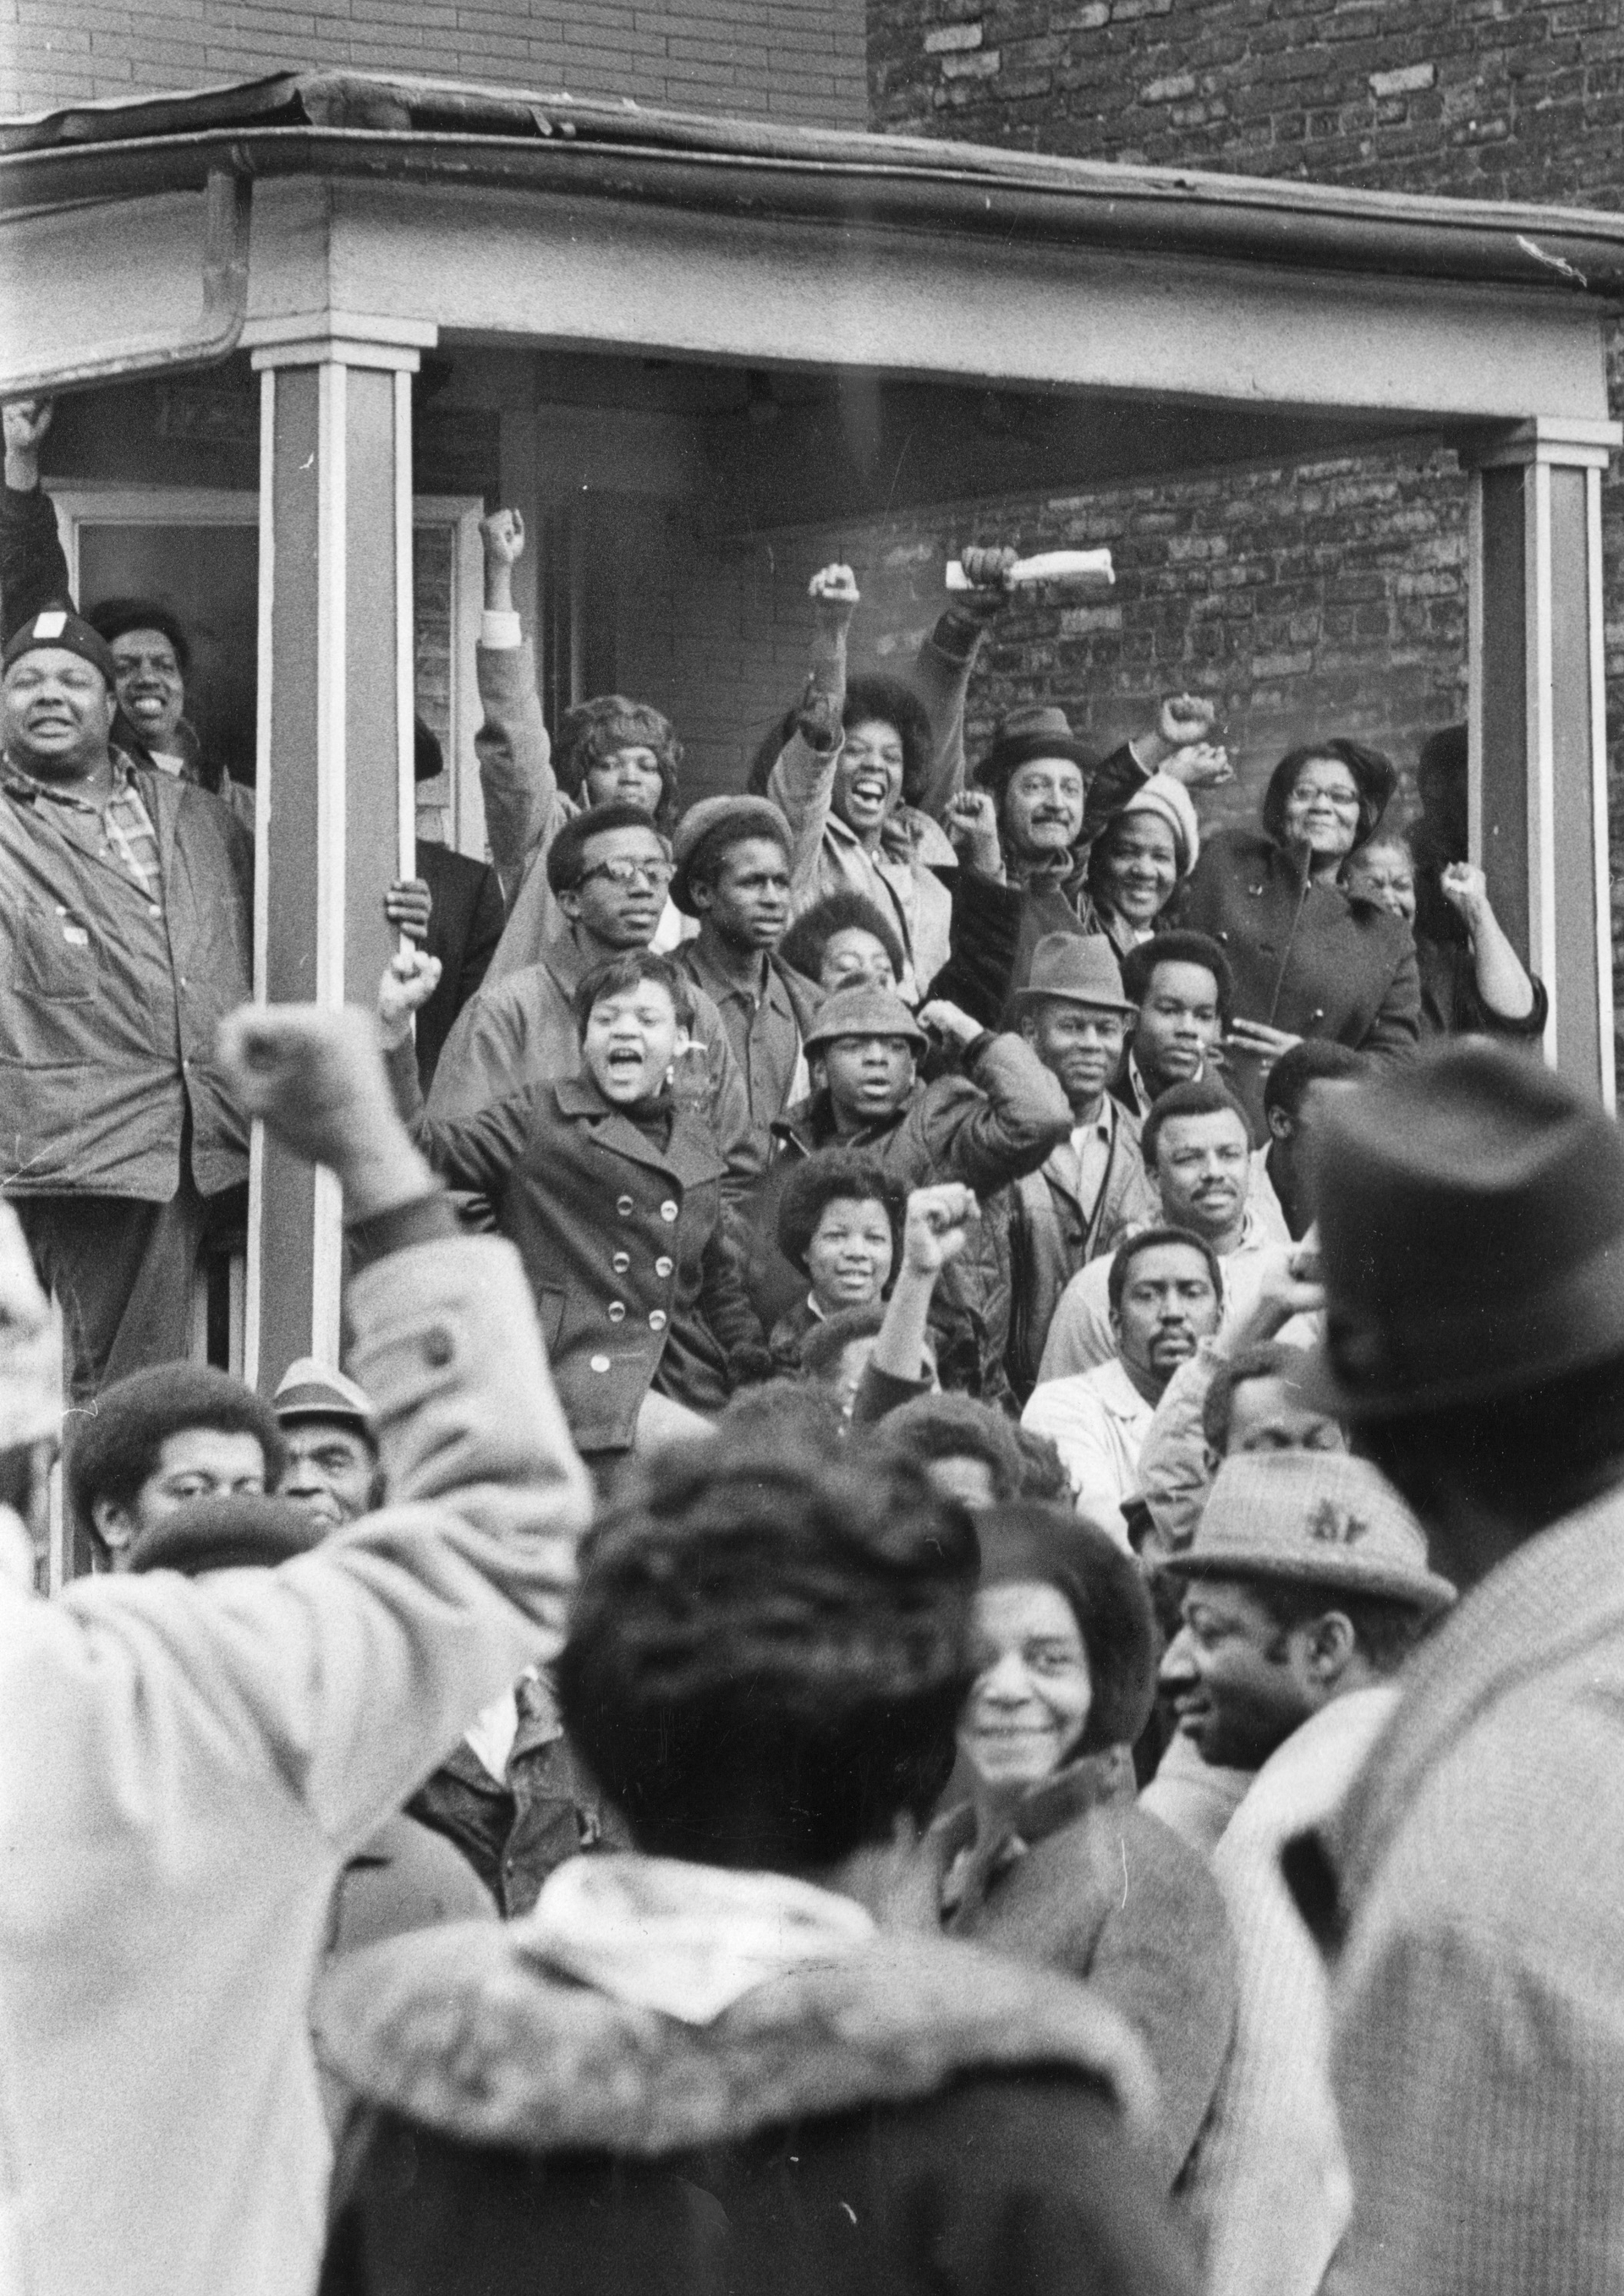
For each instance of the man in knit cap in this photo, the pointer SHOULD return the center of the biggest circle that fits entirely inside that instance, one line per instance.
(124, 940)
(1307, 1587)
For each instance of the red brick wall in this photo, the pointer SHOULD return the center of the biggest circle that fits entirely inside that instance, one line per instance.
(1332, 593)
(785, 59)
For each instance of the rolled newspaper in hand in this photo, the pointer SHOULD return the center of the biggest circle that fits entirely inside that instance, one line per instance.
(1078, 568)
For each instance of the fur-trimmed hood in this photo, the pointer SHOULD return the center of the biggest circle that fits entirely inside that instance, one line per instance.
(540, 2035)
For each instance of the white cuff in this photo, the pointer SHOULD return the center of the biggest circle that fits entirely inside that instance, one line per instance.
(499, 633)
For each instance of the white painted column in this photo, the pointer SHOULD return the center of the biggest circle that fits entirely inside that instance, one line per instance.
(335, 804)
(1538, 725)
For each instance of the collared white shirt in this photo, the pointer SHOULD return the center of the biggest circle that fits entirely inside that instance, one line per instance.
(1098, 1421)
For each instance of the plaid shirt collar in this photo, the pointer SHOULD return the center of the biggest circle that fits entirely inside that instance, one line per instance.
(125, 820)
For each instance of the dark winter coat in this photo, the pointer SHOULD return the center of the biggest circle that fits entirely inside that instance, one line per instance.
(915, 2119)
(1310, 958)
(1085, 1882)
(620, 1228)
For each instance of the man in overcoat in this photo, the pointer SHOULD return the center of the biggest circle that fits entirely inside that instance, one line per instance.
(1472, 1225)
(126, 900)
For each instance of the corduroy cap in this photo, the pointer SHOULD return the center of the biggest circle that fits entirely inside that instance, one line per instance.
(1312, 1518)
(1037, 729)
(1471, 1213)
(740, 816)
(247, 1532)
(1076, 969)
(863, 1012)
(67, 633)
(309, 1389)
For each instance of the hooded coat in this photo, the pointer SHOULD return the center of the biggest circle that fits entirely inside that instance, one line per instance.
(882, 2115)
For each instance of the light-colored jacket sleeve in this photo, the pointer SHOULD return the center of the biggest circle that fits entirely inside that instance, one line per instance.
(330, 1687)
(801, 786)
(522, 811)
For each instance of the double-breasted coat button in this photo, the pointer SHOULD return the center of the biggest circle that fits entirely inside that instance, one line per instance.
(1318, 1012)
(617, 1310)
(662, 1266)
(600, 1363)
(667, 1211)
(621, 1262)
(658, 1320)
(625, 1208)
(438, 1347)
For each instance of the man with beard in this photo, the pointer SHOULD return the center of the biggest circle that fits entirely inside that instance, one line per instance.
(731, 860)
(1093, 1186)
(1198, 1150)
(1165, 1295)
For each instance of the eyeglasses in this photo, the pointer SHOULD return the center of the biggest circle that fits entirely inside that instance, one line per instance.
(657, 874)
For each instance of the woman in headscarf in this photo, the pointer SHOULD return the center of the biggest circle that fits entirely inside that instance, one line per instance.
(1050, 1859)
(1309, 958)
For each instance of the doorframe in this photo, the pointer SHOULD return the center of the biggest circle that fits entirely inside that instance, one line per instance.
(87, 503)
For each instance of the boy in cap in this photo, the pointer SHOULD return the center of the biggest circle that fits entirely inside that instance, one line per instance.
(731, 869)
(1092, 1187)
(1307, 1587)
(124, 940)
(1472, 1225)
(997, 1118)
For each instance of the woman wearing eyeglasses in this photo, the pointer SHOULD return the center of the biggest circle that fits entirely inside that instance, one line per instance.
(609, 870)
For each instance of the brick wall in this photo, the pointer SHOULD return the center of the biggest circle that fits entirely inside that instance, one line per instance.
(1334, 593)
(785, 59)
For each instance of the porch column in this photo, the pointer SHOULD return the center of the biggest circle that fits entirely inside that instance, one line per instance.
(1538, 725)
(334, 810)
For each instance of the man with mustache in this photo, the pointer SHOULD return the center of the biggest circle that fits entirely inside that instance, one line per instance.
(1197, 1149)
(124, 940)
(1027, 830)
(1165, 1295)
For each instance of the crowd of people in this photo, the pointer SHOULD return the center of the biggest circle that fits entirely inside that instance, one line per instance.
(955, 1621)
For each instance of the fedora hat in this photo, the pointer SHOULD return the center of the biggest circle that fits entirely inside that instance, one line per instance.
(1470, 1210)
(309, 1390)
(740, 816)
(1312, 1518)
(1036, 730)
(1076, 969)
(863, 1012)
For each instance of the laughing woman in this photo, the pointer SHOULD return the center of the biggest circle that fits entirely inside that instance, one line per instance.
(1050, 1860)
(857, 758)
(612, 1190)
(1309, 958)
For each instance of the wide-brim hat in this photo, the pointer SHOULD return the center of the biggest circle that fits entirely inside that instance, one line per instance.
(1470, 1213)
(309, 1390)
(245, 1531)
(1036, 730)
(740, 816)
(1319, 1519)
(1072, 969)
(863, 1012)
